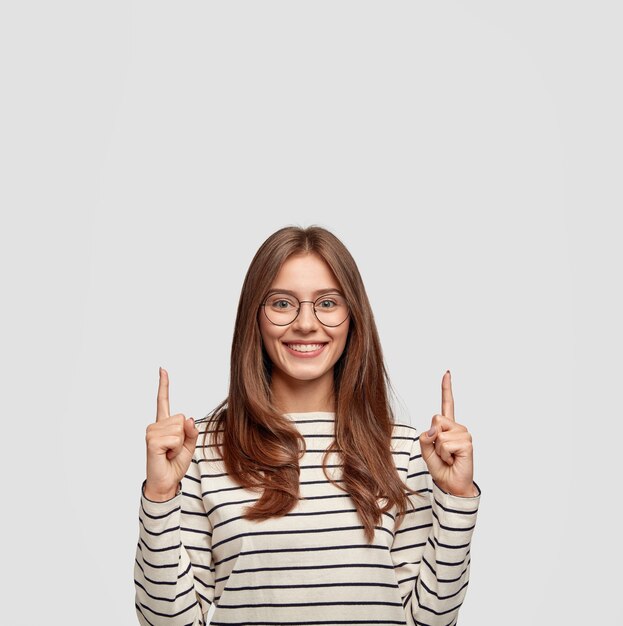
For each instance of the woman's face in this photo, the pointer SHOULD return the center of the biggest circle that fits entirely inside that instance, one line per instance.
(308, 277)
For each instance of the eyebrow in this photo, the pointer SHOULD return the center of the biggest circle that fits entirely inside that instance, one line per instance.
(315, 293)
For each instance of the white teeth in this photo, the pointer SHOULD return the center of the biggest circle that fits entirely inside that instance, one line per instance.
(304, 347)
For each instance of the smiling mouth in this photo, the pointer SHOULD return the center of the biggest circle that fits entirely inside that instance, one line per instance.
(310, 349)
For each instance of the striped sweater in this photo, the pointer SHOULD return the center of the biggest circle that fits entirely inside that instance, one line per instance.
(311, 566)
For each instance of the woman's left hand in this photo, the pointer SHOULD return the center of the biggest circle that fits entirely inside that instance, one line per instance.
(448, 450)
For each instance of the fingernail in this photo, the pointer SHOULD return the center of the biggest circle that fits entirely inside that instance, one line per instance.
(432, 431)
(448, 372)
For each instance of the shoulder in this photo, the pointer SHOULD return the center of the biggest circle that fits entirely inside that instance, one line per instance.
(209, 434)
(405, 431)
(205, 422)
(404, 436)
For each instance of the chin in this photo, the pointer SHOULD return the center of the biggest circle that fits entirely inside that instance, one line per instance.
(303, 373)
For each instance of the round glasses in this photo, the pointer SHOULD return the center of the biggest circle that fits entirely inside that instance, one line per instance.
(282, 309)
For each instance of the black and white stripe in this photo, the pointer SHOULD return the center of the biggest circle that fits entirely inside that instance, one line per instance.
(312, 566)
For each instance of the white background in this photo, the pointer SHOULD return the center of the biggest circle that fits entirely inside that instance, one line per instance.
(468, 154)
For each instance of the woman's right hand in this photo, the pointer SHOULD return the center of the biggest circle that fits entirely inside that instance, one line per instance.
(171, 442)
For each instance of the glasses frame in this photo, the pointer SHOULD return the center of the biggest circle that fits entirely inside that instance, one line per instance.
(313, 303)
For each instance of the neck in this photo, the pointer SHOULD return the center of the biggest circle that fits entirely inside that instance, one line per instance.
(303, 396)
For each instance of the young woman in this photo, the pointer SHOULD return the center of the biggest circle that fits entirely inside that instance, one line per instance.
(299, 499)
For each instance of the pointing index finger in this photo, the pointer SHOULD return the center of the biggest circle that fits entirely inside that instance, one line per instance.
(162, 407)
(447, 399)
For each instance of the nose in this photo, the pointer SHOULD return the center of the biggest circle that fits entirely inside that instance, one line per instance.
(306, 320)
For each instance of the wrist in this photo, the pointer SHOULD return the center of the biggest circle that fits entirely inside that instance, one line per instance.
(156, 496)
(470, 493)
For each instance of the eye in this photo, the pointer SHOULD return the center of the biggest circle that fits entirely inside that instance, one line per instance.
(326, 303)
(281, 303)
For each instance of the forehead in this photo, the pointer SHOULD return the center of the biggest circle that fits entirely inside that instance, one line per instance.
(305, 272)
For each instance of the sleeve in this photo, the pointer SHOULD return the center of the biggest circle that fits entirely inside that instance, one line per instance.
(431, 549)
(173, 571)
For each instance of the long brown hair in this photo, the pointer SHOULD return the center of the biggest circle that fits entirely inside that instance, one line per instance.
(260, 447)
